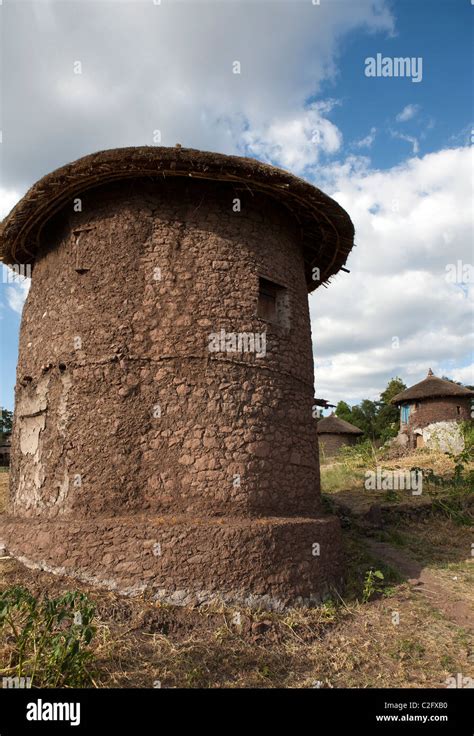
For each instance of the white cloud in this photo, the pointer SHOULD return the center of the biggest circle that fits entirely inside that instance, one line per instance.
(168, 67)
(368, 140)
(408, 113)
(464, 375)
(408, 138)
(8, 199)
(16, 294)
(295, 143)
(411, 222)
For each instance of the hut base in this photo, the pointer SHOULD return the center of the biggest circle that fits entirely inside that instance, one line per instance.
(266, 562)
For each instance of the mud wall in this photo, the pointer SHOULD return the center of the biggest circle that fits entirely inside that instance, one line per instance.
(330, 444)
(429, 411)
(120, 405)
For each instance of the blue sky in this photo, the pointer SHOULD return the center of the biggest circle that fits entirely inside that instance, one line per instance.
(395, 153)
(441, 33)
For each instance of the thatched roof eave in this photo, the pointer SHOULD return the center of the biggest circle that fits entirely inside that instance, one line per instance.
(335, 425)
(431, 387)
(327, 233)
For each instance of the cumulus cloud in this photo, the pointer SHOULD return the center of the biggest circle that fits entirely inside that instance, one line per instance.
(399, 312)
(295, 143)
(408, 113)
(169, 67)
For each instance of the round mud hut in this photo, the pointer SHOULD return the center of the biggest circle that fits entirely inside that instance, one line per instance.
(431, 410)
(163, 436)
(334, 433)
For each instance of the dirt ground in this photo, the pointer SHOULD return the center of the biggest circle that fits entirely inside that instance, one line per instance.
(416, 631)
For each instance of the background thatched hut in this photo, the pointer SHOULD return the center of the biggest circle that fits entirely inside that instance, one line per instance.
(429, 402)
(334, 433)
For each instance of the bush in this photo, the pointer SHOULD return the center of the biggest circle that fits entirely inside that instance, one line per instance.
(48, 640)
(467, 429)
(452, 494)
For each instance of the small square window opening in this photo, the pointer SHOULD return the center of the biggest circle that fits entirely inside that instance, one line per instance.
(273, 303)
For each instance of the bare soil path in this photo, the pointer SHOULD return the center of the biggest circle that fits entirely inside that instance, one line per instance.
(425, 582)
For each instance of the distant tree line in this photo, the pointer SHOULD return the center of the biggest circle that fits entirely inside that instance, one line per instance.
(379, 420)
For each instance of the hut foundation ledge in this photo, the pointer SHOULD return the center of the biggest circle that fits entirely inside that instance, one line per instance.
(266, 563)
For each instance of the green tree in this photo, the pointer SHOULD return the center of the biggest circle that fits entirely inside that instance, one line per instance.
(364, 416)
(394, 387)
(344, 411)
(6, 421)
(387, 421)
(377, 419)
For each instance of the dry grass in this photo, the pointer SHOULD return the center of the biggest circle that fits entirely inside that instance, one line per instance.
(3, 490)
(347, 471)
(341, 644)
(344, 643)
(435, 460)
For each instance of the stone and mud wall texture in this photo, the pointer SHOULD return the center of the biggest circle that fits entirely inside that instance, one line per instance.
(428, 411)
(141, 457)
(330, 443)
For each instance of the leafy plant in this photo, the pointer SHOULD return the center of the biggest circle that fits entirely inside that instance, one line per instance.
(49, 637)
(373, 584)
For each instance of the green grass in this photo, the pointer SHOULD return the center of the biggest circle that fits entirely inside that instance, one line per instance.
(339, 477)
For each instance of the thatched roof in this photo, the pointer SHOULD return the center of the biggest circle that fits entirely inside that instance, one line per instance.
(327, 233)
(333, 425)
(431, 387)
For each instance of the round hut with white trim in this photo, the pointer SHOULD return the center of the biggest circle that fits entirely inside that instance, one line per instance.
(433, 409)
